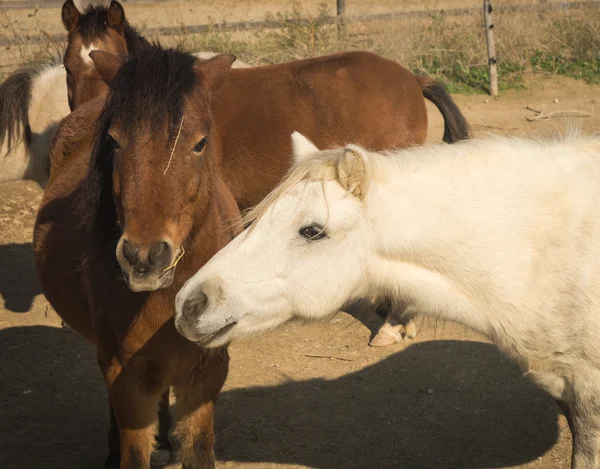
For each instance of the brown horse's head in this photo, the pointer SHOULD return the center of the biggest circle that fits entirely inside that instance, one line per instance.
(98, 28)
(152, 151)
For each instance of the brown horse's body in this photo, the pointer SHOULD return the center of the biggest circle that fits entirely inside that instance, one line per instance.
(139, 351)
(349, 97)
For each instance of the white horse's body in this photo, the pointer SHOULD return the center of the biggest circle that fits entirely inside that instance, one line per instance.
(502, 235)
(45, 98)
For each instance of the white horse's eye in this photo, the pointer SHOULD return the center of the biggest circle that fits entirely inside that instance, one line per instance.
(313, 232)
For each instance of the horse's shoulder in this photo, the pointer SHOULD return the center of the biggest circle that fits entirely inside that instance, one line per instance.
(75, 134)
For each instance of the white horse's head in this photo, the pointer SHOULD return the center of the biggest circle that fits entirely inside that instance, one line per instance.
(304, 255)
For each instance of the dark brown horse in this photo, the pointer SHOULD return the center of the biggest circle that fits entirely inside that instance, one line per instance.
(158, 187)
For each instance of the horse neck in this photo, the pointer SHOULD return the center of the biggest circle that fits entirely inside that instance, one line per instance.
(214, 226)
(426, 254)
(134, 40)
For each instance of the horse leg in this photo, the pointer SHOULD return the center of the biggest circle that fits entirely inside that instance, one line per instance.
(195, 403)
(114, 445)
(162, 454)
(583, 416)
(134, 404)
(585, 428)
(398, 325)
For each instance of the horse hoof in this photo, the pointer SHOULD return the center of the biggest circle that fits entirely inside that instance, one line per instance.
(382, 339)
(113, 461)
(160, 457)
(410, 331)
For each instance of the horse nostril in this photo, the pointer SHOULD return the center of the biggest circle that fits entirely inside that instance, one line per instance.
(160, 254)
(194, 305)
(130, 252)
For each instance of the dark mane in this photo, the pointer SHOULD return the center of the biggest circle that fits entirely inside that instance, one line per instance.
(92, 24)
(149, 88)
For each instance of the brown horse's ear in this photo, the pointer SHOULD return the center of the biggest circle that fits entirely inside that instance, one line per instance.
(115, 17)
(354, 170)
(213, 71)
(70, 16)
(107, 64)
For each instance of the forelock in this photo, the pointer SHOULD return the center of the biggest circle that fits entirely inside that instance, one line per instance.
(151, 88)
(92, 24)
(320, 167)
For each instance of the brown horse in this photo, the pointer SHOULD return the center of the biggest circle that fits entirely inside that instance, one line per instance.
(98, 28)
(158, 181)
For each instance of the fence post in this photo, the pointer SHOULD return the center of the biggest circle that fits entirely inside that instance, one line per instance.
(491, 48)
(341, 10)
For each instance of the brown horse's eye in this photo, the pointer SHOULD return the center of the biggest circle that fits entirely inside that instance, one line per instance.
(111, 140)
(200, 145)
(313, 232)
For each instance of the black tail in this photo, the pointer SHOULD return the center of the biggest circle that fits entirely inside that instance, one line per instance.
(15, 97)
(456, 127)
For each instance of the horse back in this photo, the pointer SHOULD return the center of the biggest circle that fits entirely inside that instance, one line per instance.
(348, 97)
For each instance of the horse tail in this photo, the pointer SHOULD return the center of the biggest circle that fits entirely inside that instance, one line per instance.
(15, 98)
(456, 127)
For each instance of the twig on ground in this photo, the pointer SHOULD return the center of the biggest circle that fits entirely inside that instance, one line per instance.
(327, 356)
(542, 115)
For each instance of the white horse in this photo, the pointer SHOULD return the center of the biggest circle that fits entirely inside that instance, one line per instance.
(502, 235)
(33, 101)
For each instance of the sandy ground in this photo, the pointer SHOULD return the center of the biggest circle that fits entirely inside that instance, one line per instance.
(313, 396)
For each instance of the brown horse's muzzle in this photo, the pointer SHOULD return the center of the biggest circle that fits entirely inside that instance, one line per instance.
(147, 267)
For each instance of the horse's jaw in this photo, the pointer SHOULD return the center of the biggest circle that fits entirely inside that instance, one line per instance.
(148, 283)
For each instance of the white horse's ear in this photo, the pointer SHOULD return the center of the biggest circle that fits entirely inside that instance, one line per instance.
(302, 146)
(354, 170)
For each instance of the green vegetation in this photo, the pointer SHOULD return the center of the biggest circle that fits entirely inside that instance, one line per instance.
(451, 49)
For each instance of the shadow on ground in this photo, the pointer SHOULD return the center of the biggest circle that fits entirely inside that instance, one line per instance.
(18, 281)
(446, 404)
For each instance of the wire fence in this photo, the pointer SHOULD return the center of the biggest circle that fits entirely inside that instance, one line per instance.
(340, 19)
(341, 16)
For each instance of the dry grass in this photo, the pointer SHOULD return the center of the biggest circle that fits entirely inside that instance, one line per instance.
(449, 48)
(452, 49)
(21, 52)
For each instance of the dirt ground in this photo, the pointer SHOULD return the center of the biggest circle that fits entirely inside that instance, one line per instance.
(312, 396)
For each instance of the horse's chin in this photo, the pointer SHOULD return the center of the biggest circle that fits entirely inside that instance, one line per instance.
(218, 338)
(148, 283)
